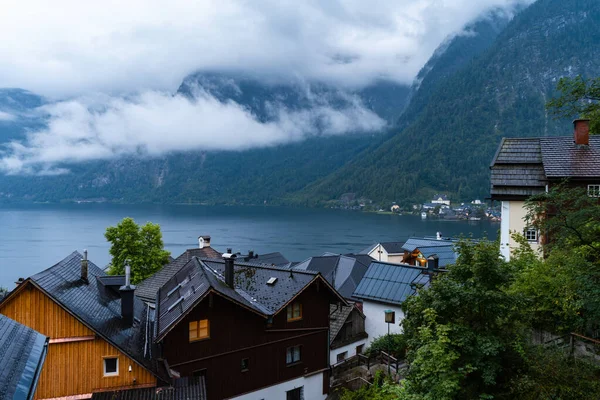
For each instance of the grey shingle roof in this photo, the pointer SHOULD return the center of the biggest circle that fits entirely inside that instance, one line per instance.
(271, 259)
(389, 283)
(563, 158)
(446, 254)
(192, 388)
(99, 308)
(199, 276)
(393, 247)
(523, 166)
(147, 289)
(417, 242)
(22, 354)
(337, 318)
(344, 272)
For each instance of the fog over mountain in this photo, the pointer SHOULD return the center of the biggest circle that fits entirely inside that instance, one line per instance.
(109, 70)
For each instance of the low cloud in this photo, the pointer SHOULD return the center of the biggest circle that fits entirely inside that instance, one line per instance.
(154, 123)
(4, 116)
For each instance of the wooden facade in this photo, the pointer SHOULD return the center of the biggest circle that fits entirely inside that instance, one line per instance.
(240, 338)
(75, 360)
(352, 330)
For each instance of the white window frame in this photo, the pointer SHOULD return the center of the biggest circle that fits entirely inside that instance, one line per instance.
(531, 232)
(593, 190)
(116, 373)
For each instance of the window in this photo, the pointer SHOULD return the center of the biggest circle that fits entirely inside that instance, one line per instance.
(292, 355)
(594, 190)
(199, 330)
(245, 364)
(531, 234)
(294, 311)
(342, 356)
(295, 394)
(359, 349)
(111, 366)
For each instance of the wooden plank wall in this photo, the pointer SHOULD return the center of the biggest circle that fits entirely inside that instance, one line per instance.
(72, 367)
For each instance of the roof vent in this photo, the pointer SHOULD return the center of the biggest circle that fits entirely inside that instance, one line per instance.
(272, 281)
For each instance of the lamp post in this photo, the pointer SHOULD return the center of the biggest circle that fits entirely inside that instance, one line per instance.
(390, 318)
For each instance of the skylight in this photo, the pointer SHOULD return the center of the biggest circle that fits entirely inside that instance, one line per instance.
(272, 281)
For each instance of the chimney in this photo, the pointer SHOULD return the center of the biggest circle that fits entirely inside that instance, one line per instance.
(433, 262)
(203, 241)
(19, 281)
(127, 293)
(84, 267)
(581, 131)
(229, 262)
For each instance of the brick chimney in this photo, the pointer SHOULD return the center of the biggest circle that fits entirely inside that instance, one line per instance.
(581, 131)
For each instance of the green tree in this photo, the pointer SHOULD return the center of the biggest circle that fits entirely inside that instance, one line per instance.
(465, 333)
(141, 247)
(579, 97)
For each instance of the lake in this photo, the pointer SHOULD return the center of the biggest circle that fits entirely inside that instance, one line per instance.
(34, 237)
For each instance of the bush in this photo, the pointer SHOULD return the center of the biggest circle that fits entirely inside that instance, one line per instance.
(393, 344)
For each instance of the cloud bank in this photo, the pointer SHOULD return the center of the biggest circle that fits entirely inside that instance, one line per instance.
(155, 123)
(67, 48)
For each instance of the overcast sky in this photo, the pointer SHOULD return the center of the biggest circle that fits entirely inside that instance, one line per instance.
(131, 55)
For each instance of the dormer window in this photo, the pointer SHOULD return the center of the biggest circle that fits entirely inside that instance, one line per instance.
(294, 311)
(593, 190)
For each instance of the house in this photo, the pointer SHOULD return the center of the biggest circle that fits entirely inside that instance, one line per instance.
(523, 167)
(252, 331)
(147, 289)
(347, 334)
(418, 249)
(347, 323)
(22, 355)
(384, 288)
(386, 251)
(100, 333)
(441, 199)
(192, 388)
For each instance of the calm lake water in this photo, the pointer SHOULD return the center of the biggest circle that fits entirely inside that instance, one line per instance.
(34, 237)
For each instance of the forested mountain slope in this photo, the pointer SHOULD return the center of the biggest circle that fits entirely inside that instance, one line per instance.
(449, 145)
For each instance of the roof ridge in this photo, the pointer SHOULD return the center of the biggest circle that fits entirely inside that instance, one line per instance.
(66, 259)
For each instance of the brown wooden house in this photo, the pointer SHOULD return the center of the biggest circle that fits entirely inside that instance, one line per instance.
(347, 332)
(99, 332)
(247, 328)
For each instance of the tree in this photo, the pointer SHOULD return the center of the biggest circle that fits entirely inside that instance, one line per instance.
(141, 247)
(578, 97)
(464, 332)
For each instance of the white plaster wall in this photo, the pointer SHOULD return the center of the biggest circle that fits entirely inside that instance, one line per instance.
(350, 348)
(375, 324)
(313, 389)
(395, 258)
(516, 223)
(376, 255)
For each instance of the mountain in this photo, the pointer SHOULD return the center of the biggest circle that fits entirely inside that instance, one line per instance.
(254, 176)
(448, 144)
(16, 106)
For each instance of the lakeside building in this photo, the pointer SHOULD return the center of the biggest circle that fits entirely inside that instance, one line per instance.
(523, 167)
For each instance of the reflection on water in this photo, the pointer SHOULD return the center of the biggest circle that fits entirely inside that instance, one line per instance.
(34, 237)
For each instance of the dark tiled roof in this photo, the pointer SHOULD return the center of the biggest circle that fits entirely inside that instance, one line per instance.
(100, 309)
(563, 158)
(22, 353)
(389, 283)
(392, 247)
(112, 280)
(147, 289)
(337, 318)
(182, 389)
(270, 259)
(522, 166)
(343, 272)
(200, 276)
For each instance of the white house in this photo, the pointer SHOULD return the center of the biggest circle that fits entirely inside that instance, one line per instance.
(441, 199)
(384, 288)
(386, 251)
(523, 167)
